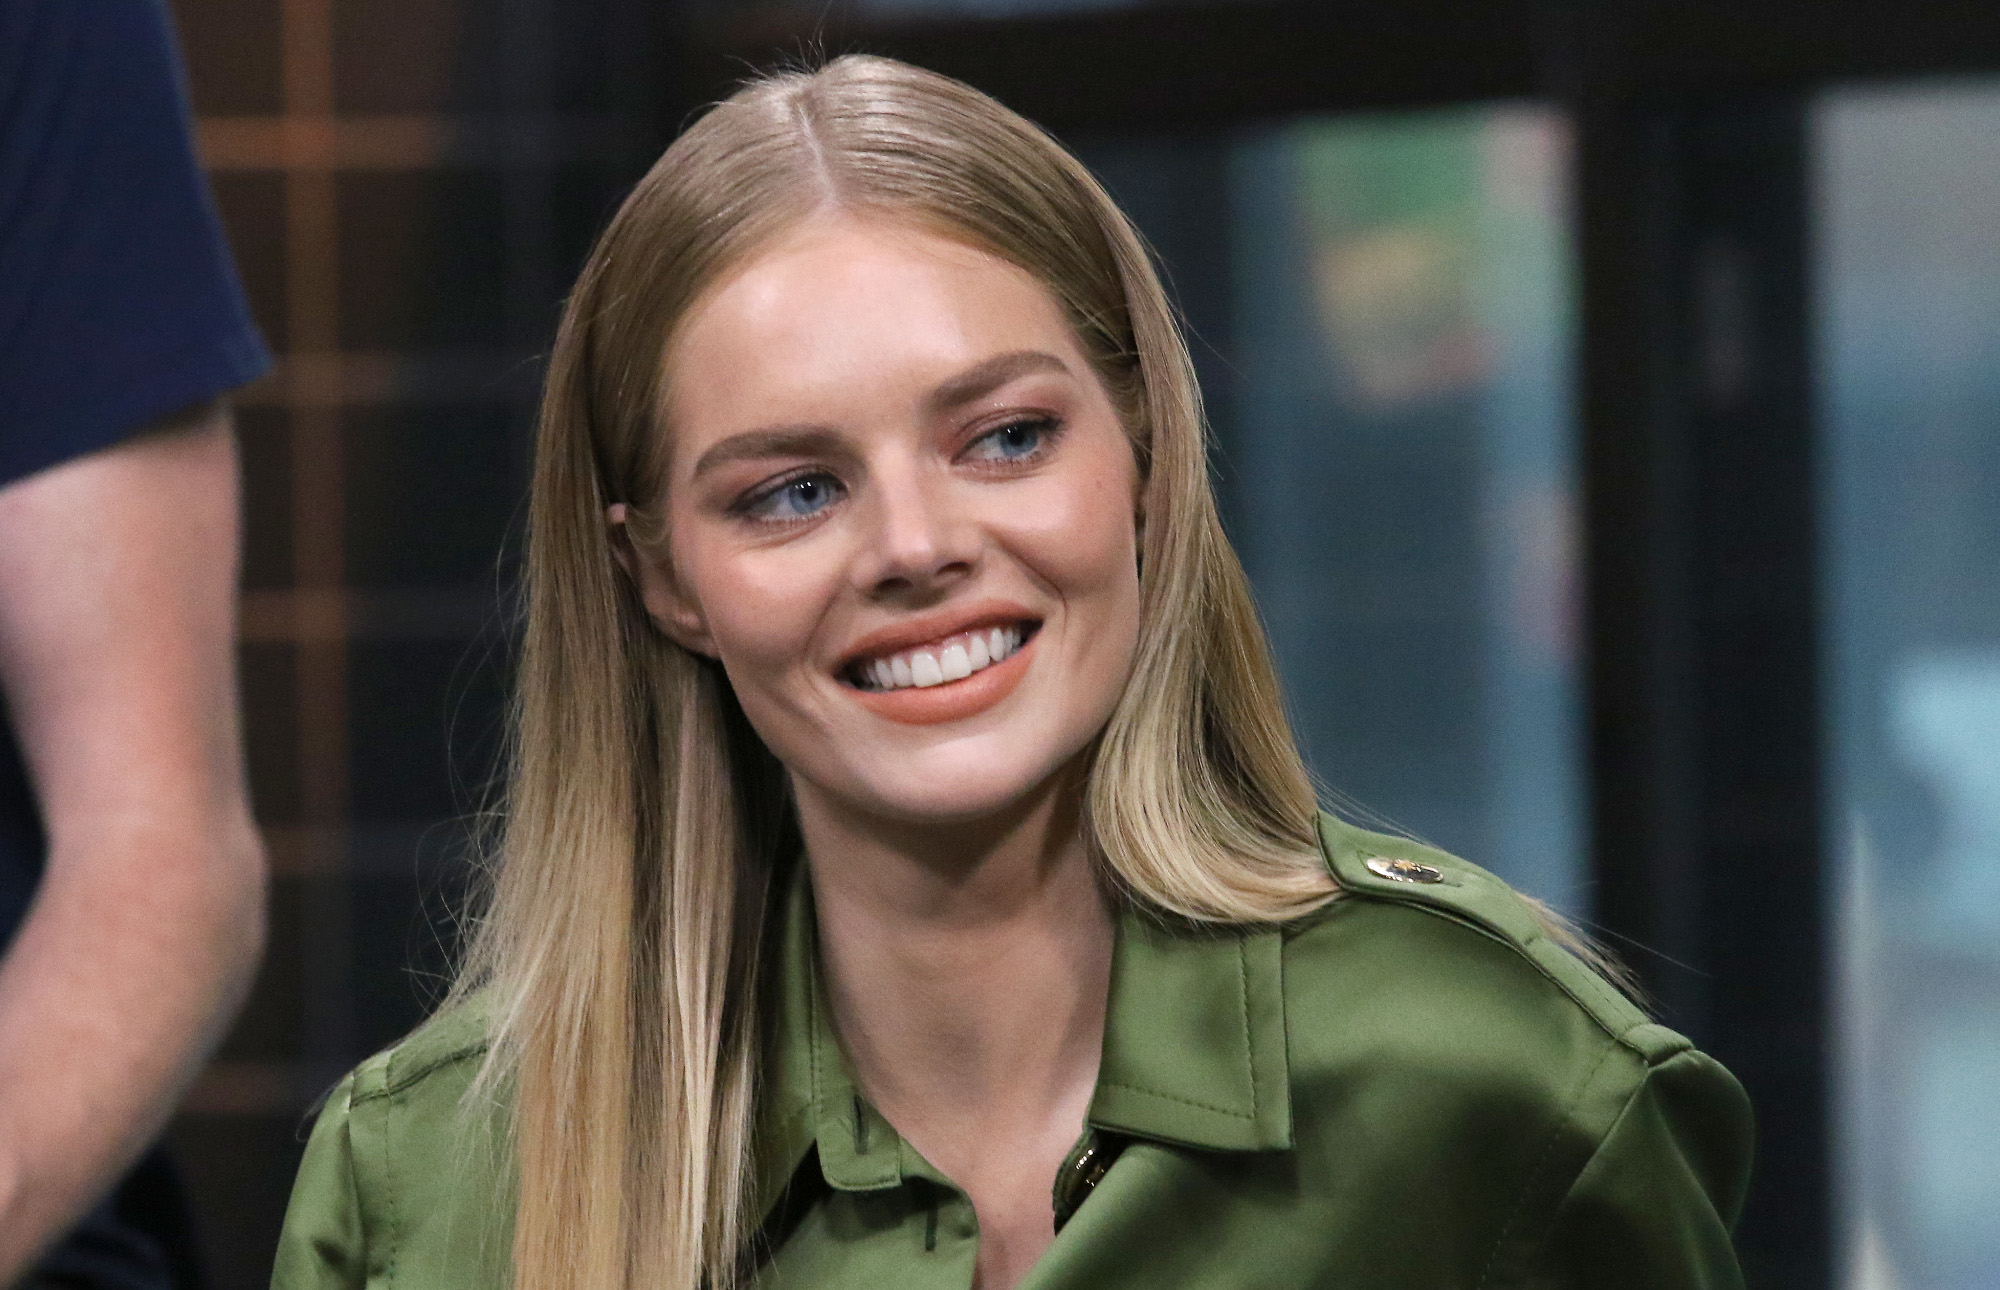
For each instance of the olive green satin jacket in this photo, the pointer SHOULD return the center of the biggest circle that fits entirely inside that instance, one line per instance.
(1412, 1088)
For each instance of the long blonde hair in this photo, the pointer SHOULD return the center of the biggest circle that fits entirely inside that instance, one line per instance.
(620, 946)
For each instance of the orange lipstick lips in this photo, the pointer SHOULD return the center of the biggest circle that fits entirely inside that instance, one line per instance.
(942, 667)
(950, 700)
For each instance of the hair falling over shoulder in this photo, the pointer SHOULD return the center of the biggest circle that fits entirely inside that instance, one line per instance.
(619, 945)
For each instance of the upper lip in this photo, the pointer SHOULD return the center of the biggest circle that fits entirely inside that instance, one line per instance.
(922, 629)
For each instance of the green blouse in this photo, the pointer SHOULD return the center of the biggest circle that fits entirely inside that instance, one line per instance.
(1412, 1088)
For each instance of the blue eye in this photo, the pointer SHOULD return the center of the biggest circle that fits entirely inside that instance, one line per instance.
(1015, 441)
(797, 499)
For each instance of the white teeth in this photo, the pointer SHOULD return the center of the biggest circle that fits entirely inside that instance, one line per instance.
(955, 661)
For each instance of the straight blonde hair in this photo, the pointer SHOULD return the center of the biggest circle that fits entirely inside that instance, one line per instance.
(620, 946)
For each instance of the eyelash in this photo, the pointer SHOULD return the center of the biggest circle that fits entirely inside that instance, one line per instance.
(1051, 428)
(746, 507)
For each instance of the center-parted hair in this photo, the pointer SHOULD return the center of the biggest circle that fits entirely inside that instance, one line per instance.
(619, 948)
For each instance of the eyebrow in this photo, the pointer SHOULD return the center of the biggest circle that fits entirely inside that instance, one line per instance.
(773, 441)
(813, 440)
(988, 376)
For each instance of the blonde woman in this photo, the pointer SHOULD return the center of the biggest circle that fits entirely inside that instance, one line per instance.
(908, 877)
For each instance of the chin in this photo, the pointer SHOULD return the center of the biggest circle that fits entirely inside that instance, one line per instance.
(961, 782)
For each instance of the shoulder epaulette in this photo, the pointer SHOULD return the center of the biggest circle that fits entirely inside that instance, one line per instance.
(1380, 866)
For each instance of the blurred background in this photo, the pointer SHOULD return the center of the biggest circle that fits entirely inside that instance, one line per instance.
(1607, 407)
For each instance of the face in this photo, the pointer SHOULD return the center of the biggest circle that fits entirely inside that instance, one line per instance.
(901, 511)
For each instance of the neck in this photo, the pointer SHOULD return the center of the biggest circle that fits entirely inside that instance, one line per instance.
(967, 964)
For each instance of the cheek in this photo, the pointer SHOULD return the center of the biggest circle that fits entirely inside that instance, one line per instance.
(1101, 523)
(1083, 542)
(760, 607)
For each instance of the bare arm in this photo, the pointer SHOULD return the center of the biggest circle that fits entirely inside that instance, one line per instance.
(117, 595)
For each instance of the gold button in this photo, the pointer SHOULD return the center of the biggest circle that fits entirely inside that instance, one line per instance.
(1082, 1172)
(1403, 870)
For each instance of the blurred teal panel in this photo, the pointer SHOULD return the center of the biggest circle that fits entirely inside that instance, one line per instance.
(1402, 441)
(1909, 352)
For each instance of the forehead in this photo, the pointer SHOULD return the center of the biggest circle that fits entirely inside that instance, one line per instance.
(843, 314)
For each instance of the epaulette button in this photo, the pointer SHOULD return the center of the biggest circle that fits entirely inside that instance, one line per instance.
(1399, 870)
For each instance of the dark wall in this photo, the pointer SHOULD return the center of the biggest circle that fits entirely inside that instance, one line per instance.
(409, 186)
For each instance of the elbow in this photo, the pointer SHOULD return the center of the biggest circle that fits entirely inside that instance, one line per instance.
(243, 881)
(221, 907)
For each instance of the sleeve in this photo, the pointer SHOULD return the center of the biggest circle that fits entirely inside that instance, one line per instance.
(324, 1243)
(1654, 1206)
(119, 303)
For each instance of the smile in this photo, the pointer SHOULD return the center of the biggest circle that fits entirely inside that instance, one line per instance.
(943, 667)
(953, 658)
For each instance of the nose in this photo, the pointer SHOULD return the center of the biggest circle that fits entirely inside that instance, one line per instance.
(919, 540)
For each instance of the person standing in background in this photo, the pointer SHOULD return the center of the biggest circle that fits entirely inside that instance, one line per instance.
(131, 873)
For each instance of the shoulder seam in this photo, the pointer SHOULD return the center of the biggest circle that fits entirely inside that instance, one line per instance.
(402, 1080)
(1549, 1141)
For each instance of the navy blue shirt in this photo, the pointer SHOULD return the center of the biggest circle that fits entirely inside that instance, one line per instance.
(119, 306)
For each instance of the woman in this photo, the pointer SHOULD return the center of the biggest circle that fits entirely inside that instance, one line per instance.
(904, 820)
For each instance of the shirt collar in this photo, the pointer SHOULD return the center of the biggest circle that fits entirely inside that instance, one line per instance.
(1194, 1052)
(1194, 1037)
